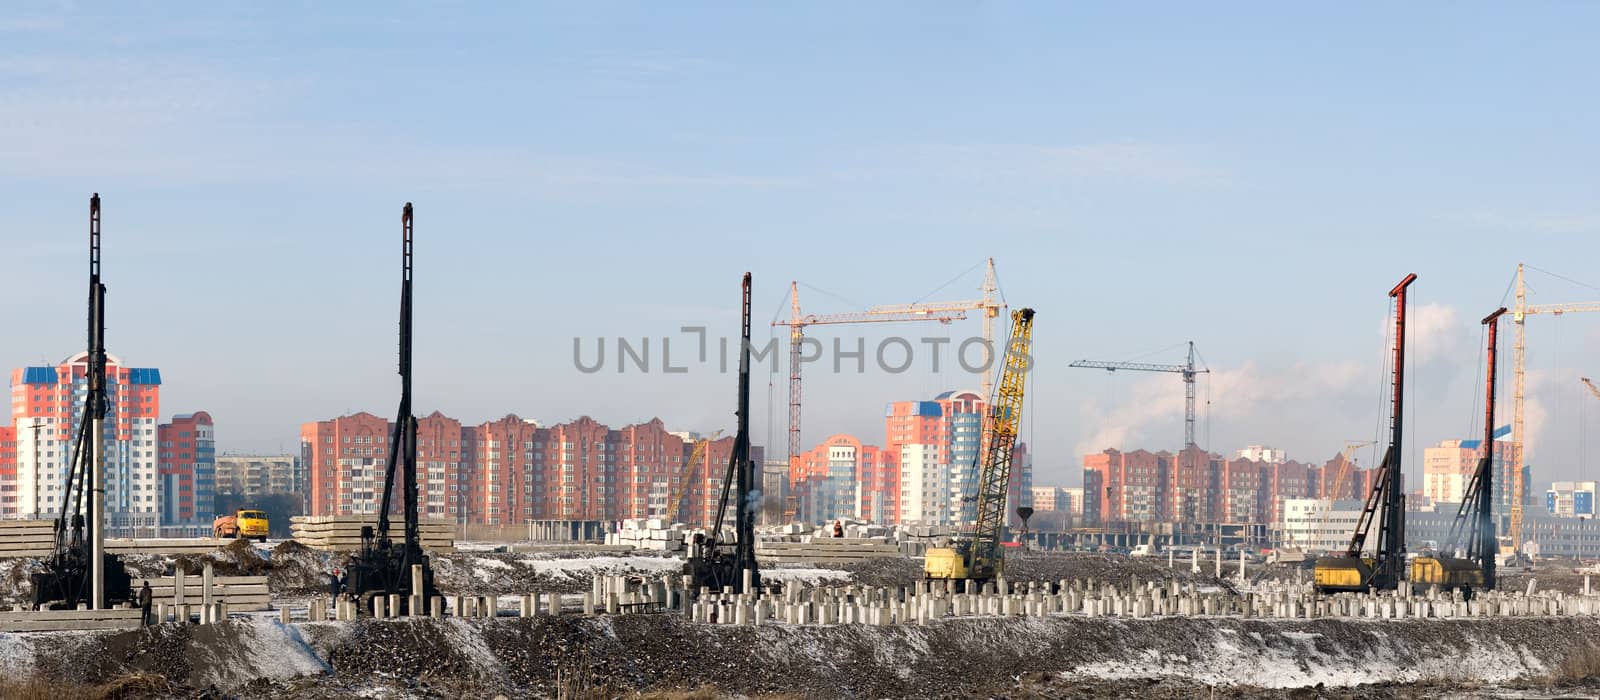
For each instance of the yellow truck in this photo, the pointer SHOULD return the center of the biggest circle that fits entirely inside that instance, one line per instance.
(249, 524)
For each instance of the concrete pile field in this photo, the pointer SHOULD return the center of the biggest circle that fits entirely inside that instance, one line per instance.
(546, 625)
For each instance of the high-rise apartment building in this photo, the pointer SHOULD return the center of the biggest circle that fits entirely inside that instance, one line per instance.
(46, 408)
(1570, 499)
(252, 476)
(512, 470)
(8, 471)
(951, 428)
(843, 478)
(187, 464)
(1194, 486)
(1447, 469)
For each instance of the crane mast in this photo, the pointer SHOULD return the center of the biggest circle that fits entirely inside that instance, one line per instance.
(1188, 370)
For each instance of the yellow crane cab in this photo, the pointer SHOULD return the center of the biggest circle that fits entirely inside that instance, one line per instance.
(1448, 573)
(1342, 573)
(945, 563)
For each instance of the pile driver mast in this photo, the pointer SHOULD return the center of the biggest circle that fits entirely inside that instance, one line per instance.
(1386, 503)
(983, 559)
(78, 569)
(381, 567)
(712, 562)
(1473, 529)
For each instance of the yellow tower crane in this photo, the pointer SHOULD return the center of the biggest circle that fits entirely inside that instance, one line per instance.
(1519, 314)
(690, 471)
(983, 559)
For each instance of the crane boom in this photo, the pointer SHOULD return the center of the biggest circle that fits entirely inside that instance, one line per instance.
(690, 472)
(984, 559)
(1187, 369)
(1592, 388)
(943, 312)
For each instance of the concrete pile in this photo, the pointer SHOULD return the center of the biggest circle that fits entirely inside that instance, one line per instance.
(654, 534)
(342, 533)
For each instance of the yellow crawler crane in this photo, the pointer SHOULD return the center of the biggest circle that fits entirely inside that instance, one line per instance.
(1352, 570)
(1473, 530)
(980, 558)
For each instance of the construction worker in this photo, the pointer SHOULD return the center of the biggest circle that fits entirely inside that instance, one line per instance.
(838, 528)
(144, 601)
(335, 584)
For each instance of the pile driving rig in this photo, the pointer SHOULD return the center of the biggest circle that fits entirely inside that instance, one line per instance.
(70, 575)
(1387, 502)
(981, 558)
(714, 563)
(384, 567)
(1474, 524)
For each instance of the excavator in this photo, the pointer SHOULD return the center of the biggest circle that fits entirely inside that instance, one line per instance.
(383, 566)
(1474, 523)
(713, 562)
(68, 576)
(1353, 571)
(981, 557)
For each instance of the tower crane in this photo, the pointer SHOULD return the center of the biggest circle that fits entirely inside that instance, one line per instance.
(1387, 503)
(1519, 314)
(1187, 369)
(1350, 446)
(691, 471)
(1474, 521)
(982, 558)
(943, 312)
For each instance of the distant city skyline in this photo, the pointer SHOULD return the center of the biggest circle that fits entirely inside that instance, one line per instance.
(1252, 181)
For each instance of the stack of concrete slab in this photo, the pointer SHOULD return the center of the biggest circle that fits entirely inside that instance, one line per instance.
(70, 620)
(827, 550)
(35, 538)
(342, 533)
(26, 538)
(239, 592)
(653, 534)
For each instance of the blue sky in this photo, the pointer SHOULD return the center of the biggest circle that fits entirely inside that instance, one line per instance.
(1252, 177)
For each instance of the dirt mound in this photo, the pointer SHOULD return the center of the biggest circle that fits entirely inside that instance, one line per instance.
(297, 569)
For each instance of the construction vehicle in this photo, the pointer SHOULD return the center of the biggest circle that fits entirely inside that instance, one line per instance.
(78, 570)
(980, 557)
(714, 562)
(383, 566)
(246, 523)
(1474, 523)
(1354, 571)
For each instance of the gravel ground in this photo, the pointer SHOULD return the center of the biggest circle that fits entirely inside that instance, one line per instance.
(664, 655)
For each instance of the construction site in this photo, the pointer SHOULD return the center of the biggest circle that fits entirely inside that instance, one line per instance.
(1269, 371)
(391, 604)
